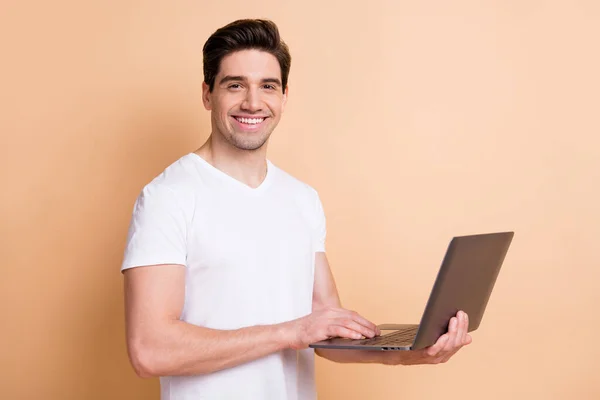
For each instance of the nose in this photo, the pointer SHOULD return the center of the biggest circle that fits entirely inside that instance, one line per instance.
(252, 102)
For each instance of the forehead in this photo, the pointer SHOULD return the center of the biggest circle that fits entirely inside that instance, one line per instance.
(253, 64)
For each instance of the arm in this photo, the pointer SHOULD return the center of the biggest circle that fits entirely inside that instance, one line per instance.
(326, 295)
(160, 344)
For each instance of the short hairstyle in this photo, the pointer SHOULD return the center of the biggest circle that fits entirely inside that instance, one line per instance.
(244, 34)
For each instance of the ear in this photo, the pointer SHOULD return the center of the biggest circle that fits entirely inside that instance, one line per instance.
(285, 97)
(206, 96)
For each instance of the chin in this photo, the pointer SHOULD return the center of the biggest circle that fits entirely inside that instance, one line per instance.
(248, 145)
(243, 143)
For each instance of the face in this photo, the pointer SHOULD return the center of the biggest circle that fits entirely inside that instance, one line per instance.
(247, 99)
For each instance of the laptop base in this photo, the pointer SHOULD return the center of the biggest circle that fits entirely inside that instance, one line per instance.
(401, 338)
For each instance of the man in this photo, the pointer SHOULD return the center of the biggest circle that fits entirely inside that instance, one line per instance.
(226, 277)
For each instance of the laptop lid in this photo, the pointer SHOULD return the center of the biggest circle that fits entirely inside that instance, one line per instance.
(464, 282)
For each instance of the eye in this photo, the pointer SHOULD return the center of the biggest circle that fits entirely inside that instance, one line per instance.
(234, 86)
(269, 87)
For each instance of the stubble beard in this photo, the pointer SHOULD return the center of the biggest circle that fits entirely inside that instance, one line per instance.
(238, 140)
(245, 141)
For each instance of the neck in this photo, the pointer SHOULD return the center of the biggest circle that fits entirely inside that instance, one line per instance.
(247, 166)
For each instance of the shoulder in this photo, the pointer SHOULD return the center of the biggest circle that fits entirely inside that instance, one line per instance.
(180, 176)
(174, 186)
(300, 189)
(308, 201)
(303, 195)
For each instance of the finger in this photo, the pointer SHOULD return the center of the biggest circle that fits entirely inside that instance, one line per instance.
(352, 325)
(437, 346)
(460, 329)
(452, 332)
(448, 355)
(336, 313)
(468, 339)
(466, 329)
(342, 332)
(356, 317)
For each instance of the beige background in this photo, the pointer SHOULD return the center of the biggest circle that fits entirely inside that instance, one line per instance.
(416, 121)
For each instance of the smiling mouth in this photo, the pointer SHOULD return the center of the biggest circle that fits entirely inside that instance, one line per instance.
(250, 121)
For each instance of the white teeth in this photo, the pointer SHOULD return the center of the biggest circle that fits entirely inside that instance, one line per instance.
(250, 121)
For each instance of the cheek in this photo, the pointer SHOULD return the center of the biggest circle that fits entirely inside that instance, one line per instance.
(223, 105)
(276, 107)
(223, 115)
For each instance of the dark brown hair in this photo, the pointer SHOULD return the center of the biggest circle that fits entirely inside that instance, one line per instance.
(244, 34)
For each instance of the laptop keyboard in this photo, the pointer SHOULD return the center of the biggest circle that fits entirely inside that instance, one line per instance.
(403, 336)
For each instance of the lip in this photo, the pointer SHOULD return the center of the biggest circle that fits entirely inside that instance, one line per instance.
(248, 127)
(249, 116)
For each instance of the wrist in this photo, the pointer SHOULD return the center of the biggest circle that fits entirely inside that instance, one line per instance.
(284, 335)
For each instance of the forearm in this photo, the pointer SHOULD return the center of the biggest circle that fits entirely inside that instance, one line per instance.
(180, 348)
(353, 356)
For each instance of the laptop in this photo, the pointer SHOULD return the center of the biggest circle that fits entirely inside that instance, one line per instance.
(464, 282)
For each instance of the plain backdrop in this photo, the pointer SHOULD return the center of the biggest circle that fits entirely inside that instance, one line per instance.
(415, 121)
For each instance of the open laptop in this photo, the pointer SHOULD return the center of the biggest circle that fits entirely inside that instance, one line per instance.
(464, 282)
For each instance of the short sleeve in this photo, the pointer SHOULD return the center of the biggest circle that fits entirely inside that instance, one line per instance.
(321, 225)
(158, 229)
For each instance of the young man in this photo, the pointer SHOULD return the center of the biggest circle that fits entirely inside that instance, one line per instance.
(226, 277)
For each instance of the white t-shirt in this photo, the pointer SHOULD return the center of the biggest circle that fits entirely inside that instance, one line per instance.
(249, 255)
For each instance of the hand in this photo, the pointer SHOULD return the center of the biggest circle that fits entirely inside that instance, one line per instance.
(444, 348)
(326, 323)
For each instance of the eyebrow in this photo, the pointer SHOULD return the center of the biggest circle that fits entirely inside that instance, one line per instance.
(229, 78)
